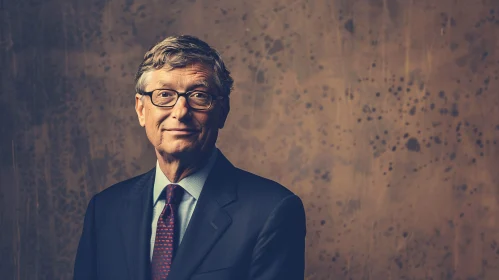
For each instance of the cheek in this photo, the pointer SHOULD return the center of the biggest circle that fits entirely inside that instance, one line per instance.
(153, 121)
(209, 124)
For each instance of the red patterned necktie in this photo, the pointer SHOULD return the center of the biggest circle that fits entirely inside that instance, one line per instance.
(164, 242)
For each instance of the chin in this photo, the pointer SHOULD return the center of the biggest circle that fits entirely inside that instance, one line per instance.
(183, 148)
(179, 149)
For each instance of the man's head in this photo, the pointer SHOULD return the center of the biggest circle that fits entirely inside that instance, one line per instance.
(177, 124)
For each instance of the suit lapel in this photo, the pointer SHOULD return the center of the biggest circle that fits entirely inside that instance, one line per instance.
(136, 226)
(208, 222)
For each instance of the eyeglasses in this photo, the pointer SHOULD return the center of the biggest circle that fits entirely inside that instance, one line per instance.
(197, 99)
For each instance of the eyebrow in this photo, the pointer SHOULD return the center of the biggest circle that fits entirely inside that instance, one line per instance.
(195, 84)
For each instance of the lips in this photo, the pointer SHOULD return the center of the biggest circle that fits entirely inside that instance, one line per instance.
(182, 131)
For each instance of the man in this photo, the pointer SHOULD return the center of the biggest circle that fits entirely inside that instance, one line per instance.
(194, 216)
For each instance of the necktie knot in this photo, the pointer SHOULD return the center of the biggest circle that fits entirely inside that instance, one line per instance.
(173, 194)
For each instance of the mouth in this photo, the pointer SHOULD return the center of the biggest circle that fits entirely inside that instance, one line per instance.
(182, 132)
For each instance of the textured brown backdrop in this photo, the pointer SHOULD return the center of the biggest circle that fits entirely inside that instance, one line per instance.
(382, 115)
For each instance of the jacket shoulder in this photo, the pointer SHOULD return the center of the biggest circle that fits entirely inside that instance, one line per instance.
(263, 189)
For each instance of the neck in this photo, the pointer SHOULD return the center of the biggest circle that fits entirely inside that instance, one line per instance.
(177, 168)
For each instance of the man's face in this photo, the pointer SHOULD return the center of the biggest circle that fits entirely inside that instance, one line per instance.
(181, 131)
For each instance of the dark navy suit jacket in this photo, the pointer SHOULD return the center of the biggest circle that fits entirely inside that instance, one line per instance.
(243, 227)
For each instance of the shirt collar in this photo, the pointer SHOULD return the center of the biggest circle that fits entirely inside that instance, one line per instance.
(192, 184)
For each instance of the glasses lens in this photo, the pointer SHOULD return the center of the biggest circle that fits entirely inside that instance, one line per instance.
(164, 97)
(199, 100)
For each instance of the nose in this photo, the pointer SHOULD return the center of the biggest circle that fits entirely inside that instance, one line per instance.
(181, 108)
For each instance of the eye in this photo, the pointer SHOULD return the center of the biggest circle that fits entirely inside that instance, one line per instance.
(165, 93)
(199, 95)
(163, 97)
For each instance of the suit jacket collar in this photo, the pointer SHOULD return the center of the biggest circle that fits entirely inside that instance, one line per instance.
(208, 222)
(136, 226)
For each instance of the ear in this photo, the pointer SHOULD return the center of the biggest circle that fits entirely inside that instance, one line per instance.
(224, 112)
(140, 109)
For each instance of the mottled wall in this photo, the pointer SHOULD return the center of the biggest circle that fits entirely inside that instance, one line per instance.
(382, 115)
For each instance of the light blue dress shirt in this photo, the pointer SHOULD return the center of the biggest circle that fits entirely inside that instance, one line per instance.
(192, 184)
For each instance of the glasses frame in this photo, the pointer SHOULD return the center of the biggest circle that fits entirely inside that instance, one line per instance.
(185, 94)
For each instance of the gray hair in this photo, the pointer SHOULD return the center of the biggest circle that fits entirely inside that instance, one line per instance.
(181, 51)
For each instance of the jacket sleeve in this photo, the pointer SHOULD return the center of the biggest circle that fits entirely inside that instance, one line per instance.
(280, 249)
(85, 262)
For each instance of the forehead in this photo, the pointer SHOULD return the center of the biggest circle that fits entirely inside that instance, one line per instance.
(194, 75)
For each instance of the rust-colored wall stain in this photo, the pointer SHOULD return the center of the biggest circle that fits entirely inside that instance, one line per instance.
(382, 115)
